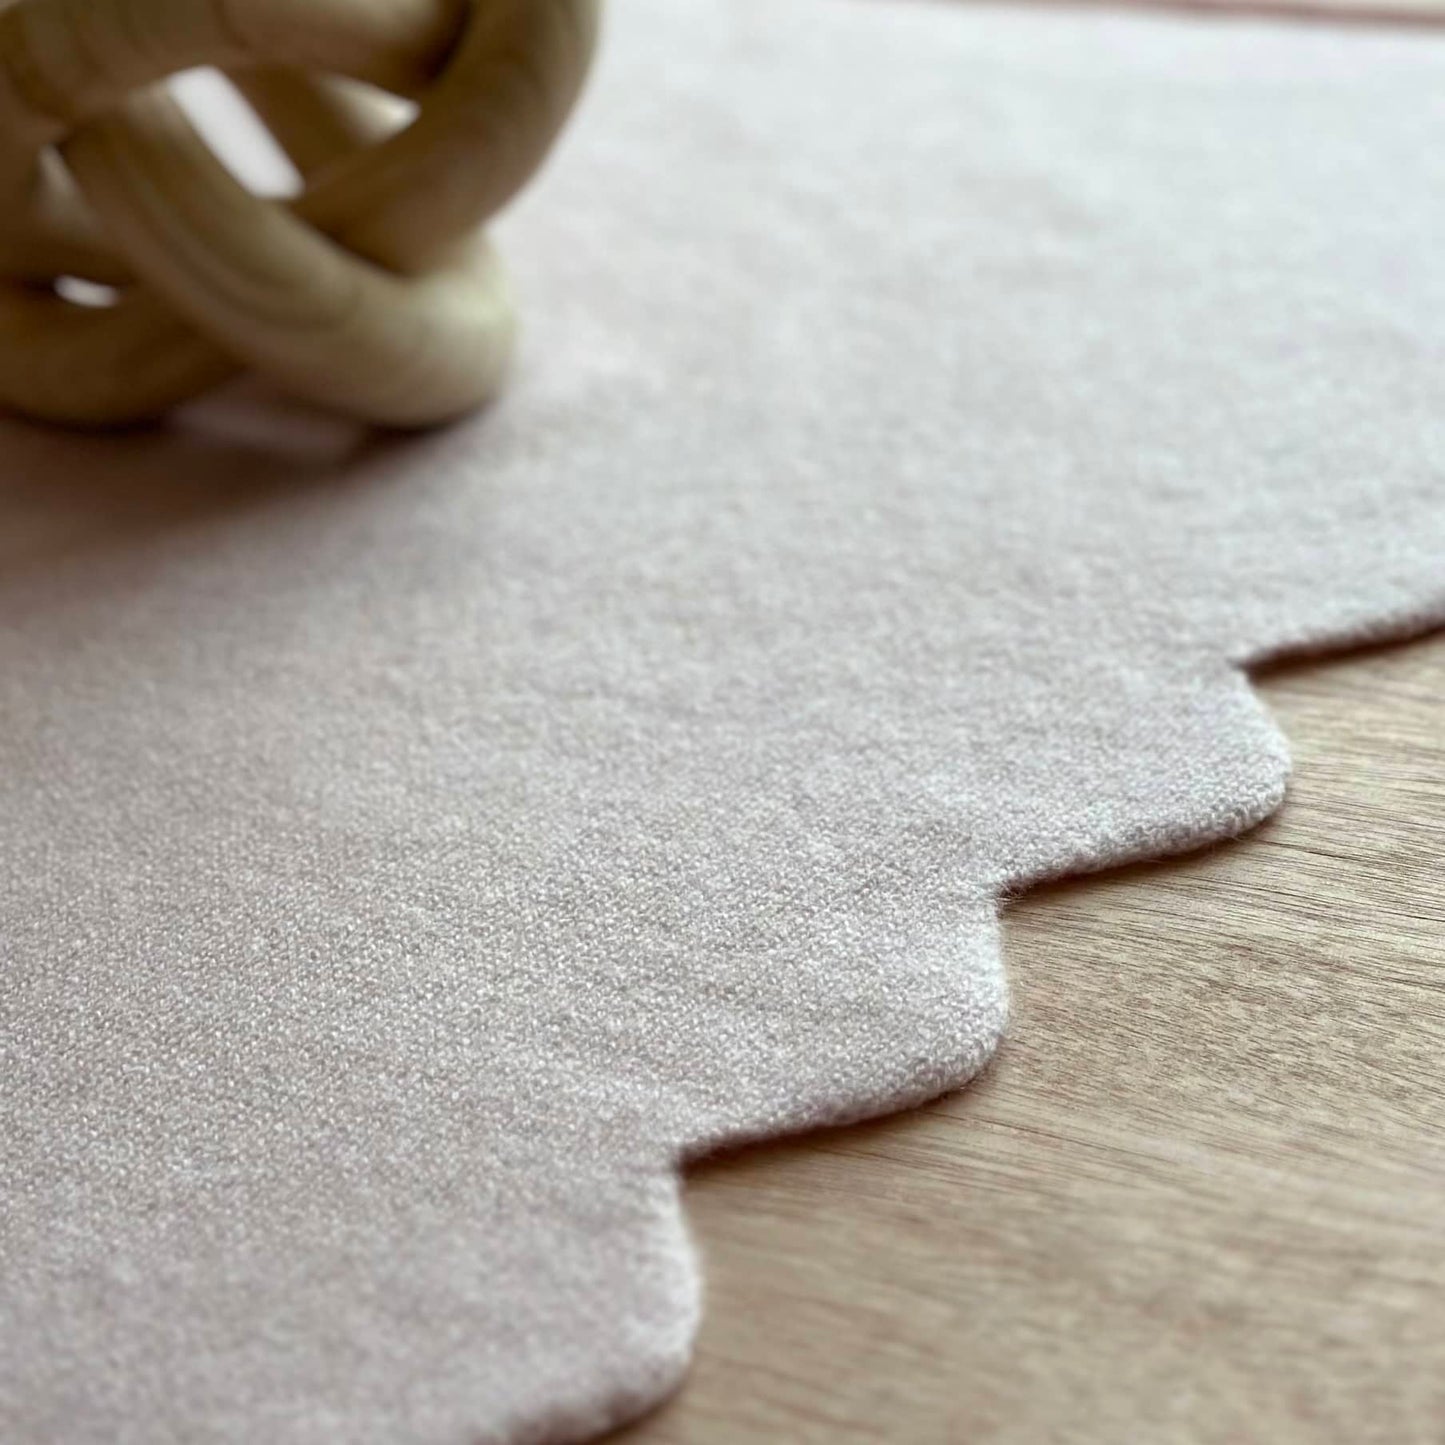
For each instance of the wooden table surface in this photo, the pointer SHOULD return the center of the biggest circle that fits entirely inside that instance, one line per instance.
(1200, 1195)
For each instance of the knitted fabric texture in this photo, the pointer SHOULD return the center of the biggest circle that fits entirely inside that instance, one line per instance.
(408, 860)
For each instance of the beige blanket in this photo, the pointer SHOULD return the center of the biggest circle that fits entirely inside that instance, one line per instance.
(411, 854)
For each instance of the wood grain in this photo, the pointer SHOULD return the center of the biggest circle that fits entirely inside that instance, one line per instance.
(1372, 14)
(1200, 1195)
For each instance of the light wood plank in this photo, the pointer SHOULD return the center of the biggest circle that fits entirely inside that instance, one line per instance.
(1200, 1197)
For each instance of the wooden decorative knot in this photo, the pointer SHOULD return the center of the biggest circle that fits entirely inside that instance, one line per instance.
(373, 290)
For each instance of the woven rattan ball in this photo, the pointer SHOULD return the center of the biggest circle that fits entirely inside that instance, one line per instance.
(373, 291)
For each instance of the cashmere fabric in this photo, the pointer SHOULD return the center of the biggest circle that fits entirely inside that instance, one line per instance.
(412, 853)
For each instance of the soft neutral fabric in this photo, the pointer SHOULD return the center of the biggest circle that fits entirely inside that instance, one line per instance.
(411, 853)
